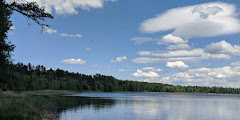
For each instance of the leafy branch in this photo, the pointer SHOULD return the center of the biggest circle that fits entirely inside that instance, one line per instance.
(31, 10)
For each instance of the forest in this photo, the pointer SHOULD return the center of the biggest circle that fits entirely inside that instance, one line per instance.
(19, 77)
(23, 77)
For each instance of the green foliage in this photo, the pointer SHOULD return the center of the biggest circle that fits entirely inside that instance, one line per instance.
(17, 108)
(38, 78)
(30, 10)
(5, 46)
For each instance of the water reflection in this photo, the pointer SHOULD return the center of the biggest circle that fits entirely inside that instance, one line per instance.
(193, 107)
(52, 107)
(142, 106)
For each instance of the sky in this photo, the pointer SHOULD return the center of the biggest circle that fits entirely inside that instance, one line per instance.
(179, 42)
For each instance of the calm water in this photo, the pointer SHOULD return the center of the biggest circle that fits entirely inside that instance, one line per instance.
(150, 106)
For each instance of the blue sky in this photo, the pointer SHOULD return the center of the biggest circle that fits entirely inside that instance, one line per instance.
(177, 42)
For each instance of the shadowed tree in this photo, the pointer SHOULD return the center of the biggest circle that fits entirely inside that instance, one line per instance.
(30, 10)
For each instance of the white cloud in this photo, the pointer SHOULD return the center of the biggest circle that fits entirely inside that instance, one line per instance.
(236, 64)
(190, 59)
(205, 12)
(121, 70)
(214, 56)
(70, 35)
(185, 59)
(12, 27)
(148, 68)
(151, 69)
(50, 30)
(124, 70)
(211, 19)
(95, 65)
(225, 76)
(119, 59)
(177, 64)
(146, 60)
(73, 61)
(167, 39)
(157, 70)
(50, 69)
(88, 49)
(179, 47)
(163, 60)
(69, 7)
(222, 47)
(171, 39)
(149, 74)
(194, 52)
(214, 51)
(140, 40)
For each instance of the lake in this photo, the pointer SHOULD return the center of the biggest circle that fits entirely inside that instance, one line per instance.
(145, 106)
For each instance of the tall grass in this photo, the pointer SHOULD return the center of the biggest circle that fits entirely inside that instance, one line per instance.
(13, 107)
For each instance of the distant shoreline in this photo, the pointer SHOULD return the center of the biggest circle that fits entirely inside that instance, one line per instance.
(48, 92)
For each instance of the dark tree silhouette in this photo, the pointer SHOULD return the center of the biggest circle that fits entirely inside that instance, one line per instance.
(30, 10)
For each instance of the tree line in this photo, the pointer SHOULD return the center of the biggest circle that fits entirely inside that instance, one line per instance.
(23, 77)
(20, 77)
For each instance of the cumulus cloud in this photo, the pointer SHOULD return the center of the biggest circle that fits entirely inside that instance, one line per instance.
(140, 40)
(50, 30)
(69, 7)
(222, 47)
(150, 74)
(177, 64)
(119, 59)
(226, 76)
(204, 20)
(179, 47)
(215, 51)
(73, 61)
(70, 35)
(167, 39)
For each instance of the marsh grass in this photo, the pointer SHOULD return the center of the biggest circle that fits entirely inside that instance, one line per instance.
(18, 108)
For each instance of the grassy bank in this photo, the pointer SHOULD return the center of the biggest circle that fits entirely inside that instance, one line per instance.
(25, 105)
(14, 106)
(47, 104)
